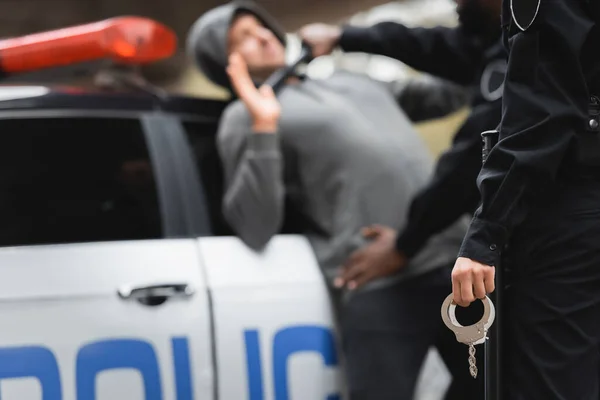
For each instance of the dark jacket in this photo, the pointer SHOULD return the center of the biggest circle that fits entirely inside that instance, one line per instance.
(451, 54)
(553, 69)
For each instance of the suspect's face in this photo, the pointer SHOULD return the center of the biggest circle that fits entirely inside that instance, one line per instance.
(259, 47)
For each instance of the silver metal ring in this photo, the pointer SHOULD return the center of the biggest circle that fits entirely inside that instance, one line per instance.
(464, 334)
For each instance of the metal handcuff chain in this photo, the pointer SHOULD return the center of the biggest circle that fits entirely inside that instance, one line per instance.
(471, 335)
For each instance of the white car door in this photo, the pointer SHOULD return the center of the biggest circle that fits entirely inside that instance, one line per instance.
(275, 334)
(95, 301)
(276, 337)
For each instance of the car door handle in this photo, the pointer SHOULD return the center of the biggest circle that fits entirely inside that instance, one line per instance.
(161, 291)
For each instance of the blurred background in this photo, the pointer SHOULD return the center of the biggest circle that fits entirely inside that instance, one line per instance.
(177, 74)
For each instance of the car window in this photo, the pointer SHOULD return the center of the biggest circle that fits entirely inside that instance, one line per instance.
(202, 139)
(68, 180)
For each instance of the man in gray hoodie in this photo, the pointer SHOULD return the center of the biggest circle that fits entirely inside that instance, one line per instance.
(343, 152)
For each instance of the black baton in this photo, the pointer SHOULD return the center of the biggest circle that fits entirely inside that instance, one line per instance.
(277, 79)
(492, 350)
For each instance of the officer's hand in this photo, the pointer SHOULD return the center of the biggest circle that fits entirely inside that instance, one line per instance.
(471, 280)
(261, 103)
(378, 259)
(322, 38)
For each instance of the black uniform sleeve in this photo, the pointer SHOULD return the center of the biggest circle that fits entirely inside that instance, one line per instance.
(427, 98)
(440, 51)
(453, 191)
(544, 107)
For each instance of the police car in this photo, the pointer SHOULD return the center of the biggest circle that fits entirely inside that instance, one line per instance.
(119, 278)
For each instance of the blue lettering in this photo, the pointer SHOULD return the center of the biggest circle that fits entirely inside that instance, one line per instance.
(183, 374)
(286, 342)
(35, 361)
(297, 339)
(112, 354)
(254, 365)
(40, 363)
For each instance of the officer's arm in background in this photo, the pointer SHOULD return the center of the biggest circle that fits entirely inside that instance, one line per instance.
(424, 98)
(545, 106)
(452, 191)
(439, 51)
(254, 191)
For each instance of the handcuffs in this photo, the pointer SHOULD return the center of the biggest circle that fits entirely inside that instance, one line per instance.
(472, 334)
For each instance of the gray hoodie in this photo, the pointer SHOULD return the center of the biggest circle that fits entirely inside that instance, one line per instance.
(345, 155)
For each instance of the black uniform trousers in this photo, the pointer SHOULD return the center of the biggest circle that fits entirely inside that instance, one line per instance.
(386, 335)
(552, 299)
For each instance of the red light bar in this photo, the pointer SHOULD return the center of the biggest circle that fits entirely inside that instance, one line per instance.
(126, 40)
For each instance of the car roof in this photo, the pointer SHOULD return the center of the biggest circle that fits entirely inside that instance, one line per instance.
(22, 97)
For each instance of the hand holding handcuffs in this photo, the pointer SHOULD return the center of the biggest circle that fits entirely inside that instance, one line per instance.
(470, 335)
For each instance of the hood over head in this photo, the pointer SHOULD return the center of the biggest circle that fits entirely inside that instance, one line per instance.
(208, 37)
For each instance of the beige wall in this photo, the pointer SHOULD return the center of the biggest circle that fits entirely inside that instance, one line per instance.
(438, 134)
(192, 83)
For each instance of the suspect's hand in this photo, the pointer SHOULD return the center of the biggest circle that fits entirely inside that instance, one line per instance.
(261, 103)
(376, 260)
(471, 280)
(322, 38)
